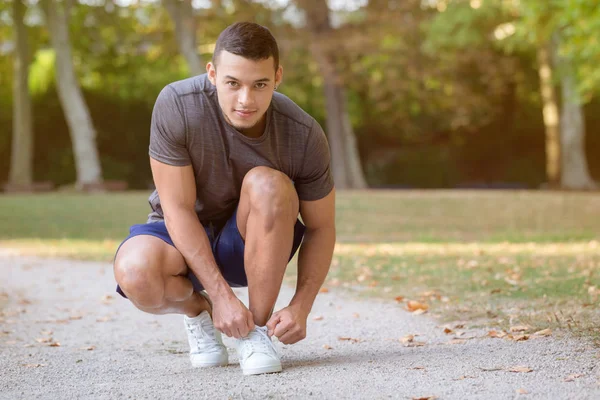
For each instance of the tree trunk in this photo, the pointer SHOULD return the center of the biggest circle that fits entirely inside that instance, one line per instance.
(21, 161)
(83, 134)
(182, 14)
(550, 113)
(346, 167)
(575, 173)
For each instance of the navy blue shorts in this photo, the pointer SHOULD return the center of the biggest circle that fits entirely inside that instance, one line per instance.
(227, 247)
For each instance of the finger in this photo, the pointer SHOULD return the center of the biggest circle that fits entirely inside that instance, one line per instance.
(282, 327)
(237, 334)
(272, 323)
(250, 321)
(290, 337)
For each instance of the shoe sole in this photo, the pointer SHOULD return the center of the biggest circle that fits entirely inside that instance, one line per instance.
(200, 364)
(270, 369)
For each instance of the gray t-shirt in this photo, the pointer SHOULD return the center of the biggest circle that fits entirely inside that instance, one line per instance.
(188, 127)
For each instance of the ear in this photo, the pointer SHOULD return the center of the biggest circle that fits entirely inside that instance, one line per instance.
(278, 76)
(212, 73)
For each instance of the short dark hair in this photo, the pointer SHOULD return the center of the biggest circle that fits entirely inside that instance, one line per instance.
(249, 40)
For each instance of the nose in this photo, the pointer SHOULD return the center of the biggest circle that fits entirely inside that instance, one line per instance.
(245, 97)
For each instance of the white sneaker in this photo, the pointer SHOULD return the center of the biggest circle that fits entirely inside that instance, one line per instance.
(206, 344)
(257, 353)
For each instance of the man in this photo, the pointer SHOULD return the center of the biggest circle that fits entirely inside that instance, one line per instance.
(234, 163)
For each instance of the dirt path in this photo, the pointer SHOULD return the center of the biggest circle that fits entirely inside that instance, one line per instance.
(110, 350)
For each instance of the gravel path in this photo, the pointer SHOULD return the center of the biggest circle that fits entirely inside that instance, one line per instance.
(110, 350)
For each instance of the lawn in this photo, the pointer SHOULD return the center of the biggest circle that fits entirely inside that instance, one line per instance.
(491, 257)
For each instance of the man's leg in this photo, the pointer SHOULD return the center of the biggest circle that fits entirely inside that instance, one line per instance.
(266, 215)
(152, 275)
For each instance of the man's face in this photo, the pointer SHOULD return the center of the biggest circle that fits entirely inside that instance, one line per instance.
(245, 89)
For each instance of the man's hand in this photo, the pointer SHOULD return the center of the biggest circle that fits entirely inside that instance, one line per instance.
(231, 317)
(288, 324)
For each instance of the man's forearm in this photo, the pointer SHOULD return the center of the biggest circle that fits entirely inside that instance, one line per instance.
(314, 260)
(191, 240)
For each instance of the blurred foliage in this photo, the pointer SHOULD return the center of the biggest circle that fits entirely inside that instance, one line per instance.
(441, 93)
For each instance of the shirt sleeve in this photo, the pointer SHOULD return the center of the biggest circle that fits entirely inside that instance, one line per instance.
(315, 181)
(168, 130)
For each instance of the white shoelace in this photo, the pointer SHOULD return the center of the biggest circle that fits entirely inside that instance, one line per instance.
(204, 336)
(257, 341)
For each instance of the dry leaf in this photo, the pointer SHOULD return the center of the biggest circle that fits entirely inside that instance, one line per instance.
(106, 299)
(418, 367)
(415, 344)
(543, 332)
(413, 306)
(407, 339)
(448, 331)
(24, 302)
(327, 347)
(522, 391)
(318, 318)
(457, 341)
(496, 334)
(89, 348)
(425, 398)
(54, 344)
(34, 365)
(75, 317)
(323, 290)
(518, 338)
(519, 328)
(419, 312)
(349, 339)
(399, 299)
(102, 319)
(572, 377)
(520, 369)
(464, 377)
(44, 340)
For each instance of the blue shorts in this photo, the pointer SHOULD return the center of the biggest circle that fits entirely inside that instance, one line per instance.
(227, 247)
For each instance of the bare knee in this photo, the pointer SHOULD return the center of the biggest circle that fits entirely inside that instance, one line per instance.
(139, 278)
(271, 193)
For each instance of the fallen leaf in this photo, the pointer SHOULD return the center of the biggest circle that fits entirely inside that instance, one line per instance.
(522, 391)
(425, 398)
(519, 328)
(407, 338)
(102, 319)
(34, 365)
(520, 369)
(44, 340)
(373, 283)
(572, 377)
(413, 306)
(88, 348)
(457, 341)
(518, 338)
(418, 368)
(496, 334)
(543, 332)
(490, 369)
(323, 290)
(24, 302)
(75, 317)
(448, 331)
(349, 339)
(399, 299)
(318, 318)
(419, 312)
(415, 344)
(327, 347)
(107, 299)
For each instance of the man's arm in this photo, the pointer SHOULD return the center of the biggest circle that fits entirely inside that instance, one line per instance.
(314, 259)
(176, 187)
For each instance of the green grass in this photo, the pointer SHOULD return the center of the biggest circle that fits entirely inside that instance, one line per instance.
(493, 257)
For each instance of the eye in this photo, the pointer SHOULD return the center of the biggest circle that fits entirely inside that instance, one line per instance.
(232, 84)
(261, 85)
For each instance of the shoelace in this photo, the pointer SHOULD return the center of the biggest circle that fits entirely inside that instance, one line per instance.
(258, 341)
(205, 336)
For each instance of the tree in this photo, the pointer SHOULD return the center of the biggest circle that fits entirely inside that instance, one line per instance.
(346, 166)
(21, 166)
(81, 128)
(182, 15)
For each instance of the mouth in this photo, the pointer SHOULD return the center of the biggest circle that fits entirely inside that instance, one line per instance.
(245, 113)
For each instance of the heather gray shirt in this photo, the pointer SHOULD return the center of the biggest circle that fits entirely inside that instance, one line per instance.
(188, 128)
